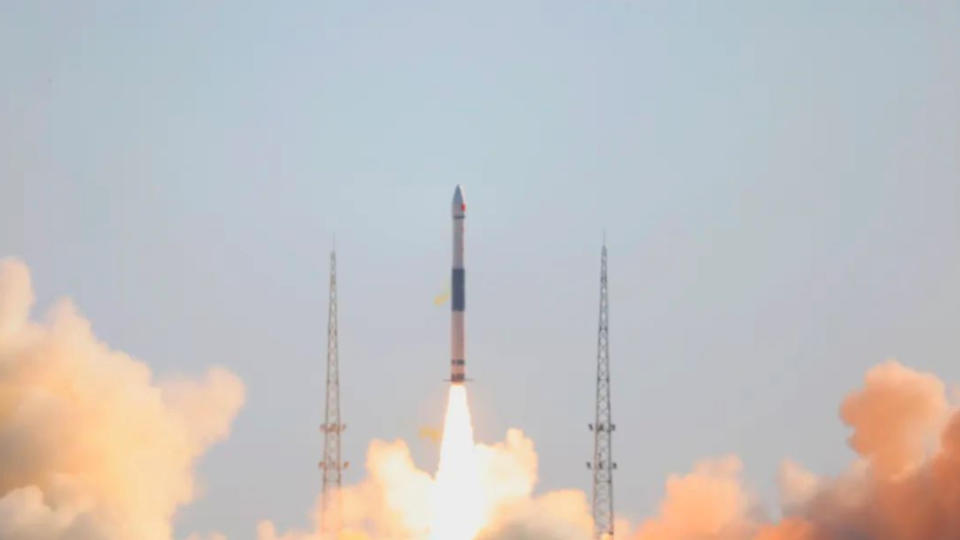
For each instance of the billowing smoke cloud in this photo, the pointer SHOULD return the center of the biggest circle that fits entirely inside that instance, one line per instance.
(708, 503)
(905, 484)
(394, 501)
(509, 473)
(92, 447)
(390, 503)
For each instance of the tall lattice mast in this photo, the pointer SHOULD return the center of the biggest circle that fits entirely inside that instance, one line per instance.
(602, 428)
(331, 465)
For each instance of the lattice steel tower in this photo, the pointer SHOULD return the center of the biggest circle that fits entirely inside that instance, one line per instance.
(602, 428)
(332, 467)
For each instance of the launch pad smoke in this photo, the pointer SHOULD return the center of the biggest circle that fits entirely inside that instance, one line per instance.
(94, 447)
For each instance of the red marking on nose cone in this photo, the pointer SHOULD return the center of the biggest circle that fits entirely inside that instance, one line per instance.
(463, 207)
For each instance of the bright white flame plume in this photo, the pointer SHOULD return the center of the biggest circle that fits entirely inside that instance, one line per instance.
(459, 509)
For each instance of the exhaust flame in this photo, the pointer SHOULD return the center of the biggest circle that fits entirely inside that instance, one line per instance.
(458, 499)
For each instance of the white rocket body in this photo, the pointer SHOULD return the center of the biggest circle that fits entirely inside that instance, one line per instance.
(458, 292)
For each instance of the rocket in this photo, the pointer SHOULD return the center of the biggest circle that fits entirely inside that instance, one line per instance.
(457, 282)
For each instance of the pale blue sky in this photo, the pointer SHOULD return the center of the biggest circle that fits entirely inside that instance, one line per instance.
(780, 187)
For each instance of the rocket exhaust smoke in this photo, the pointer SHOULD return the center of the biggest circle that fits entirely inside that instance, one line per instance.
(92, 445)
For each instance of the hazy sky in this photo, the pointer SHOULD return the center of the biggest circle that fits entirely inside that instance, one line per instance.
(780, 188)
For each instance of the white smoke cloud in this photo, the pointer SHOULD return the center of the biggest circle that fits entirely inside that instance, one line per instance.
(394, 501)
(92, 446)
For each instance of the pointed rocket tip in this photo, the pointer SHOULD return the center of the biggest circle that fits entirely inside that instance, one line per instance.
(459, 204)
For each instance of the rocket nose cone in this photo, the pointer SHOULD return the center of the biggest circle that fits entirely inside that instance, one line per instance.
(459, 205)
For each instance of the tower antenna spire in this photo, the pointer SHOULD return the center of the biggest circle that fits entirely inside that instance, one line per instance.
(331, 466)
(603, 427)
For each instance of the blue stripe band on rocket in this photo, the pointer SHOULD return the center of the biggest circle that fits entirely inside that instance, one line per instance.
(459, 302)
